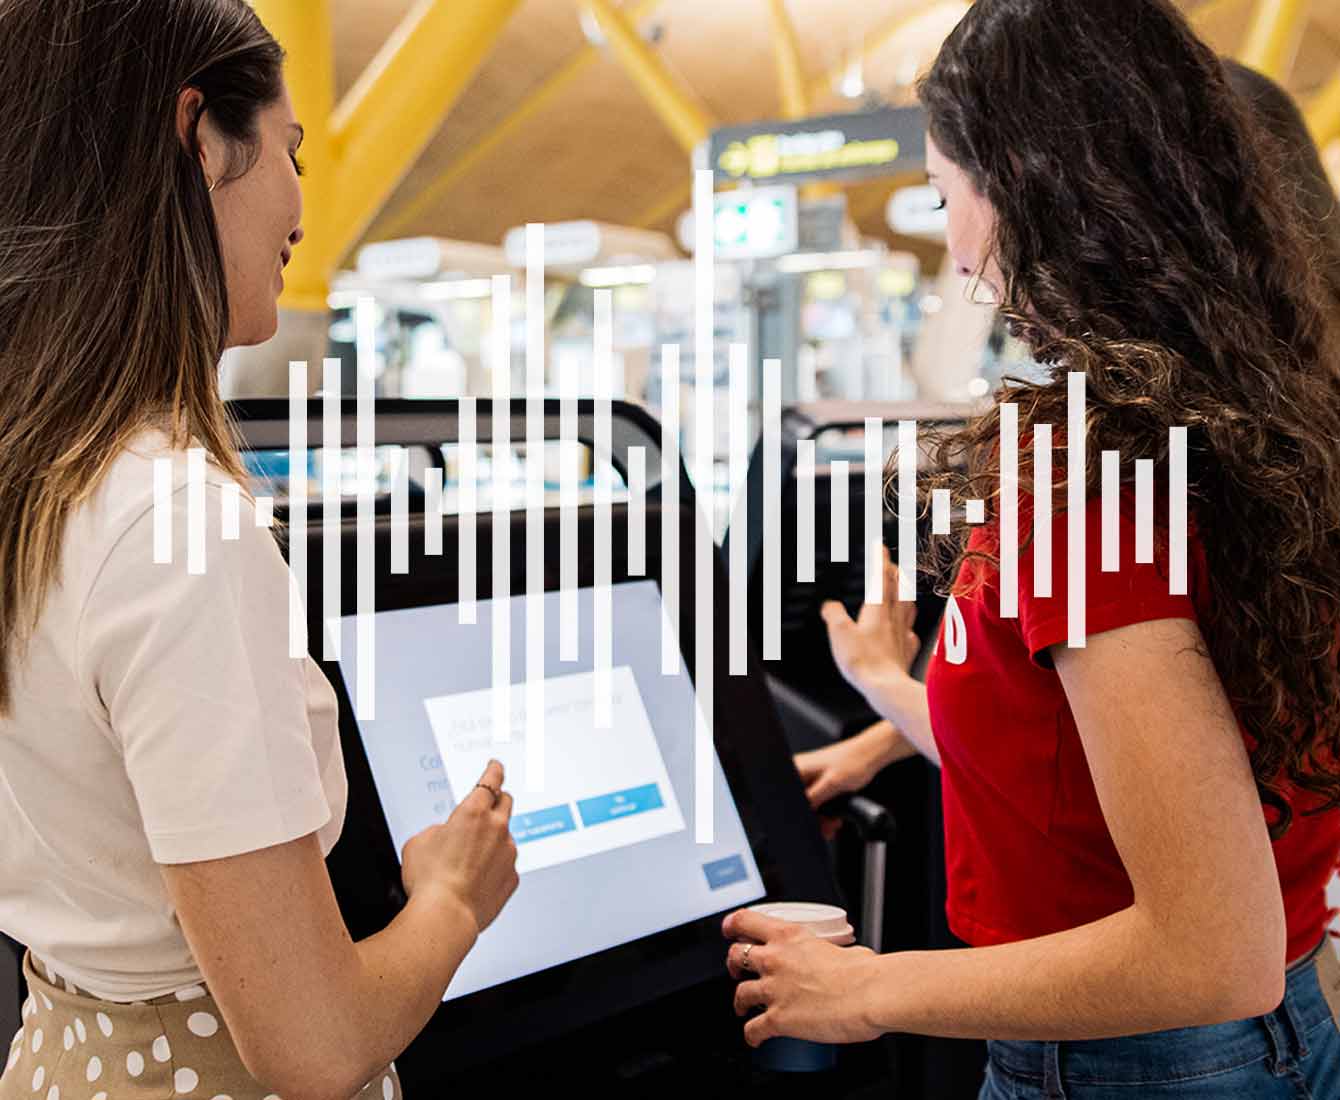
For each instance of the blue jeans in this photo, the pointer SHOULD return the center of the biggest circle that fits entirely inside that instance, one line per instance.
(1292, 1053)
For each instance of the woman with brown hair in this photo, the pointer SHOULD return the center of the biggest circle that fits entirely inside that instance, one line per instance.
(1138, 829)
(1295, 157)
(170, 780)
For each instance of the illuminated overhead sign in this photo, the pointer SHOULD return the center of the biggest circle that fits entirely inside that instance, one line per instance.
(751, 223)
(851, 146)
(756, 223)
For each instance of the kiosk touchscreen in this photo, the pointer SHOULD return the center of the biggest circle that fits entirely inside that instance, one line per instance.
(603, 818)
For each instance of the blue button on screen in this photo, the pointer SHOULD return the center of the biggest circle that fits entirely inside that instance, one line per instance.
(611, 807)
(723, 872)
(539, 824)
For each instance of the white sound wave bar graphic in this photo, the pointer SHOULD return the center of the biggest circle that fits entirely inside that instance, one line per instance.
(501, 453)
(739, 514)
(534, 690)
(297, 521)
(805, 511)
(468, 452)
(167, 481)
(772, 503)
(601, 462)
(670, 495)
(874, 510)
(839, 513)
(1009, 511)
(637, 511)
(400, 513)
(704, 427)
(434, 511)
(365, 328)
(332, 454)
(570, 456)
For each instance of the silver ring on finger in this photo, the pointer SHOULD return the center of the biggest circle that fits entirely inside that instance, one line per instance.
(744, 956)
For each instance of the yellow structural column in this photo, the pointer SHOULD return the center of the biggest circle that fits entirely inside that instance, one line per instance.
(303, 28)
(401, 100)
(1273, 36)
(689, 123)
(1323, 116)
(790, 74)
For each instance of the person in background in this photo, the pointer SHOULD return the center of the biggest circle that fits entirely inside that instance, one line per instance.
(1297, 160)
(1138, 829)
(170, 780)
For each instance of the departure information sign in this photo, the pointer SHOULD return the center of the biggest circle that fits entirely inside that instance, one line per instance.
(851, 146)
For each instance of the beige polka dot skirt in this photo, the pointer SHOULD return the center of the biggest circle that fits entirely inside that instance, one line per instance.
(74, 1046)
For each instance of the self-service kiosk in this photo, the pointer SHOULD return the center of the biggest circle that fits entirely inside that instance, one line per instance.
(607, 967)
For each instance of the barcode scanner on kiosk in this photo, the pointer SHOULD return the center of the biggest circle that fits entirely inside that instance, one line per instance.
(621, 894)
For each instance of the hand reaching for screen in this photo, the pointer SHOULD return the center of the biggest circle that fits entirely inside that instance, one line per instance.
(880, 642)
(471, 857)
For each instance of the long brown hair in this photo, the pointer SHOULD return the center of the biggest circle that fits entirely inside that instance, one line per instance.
(1147, 238)
(113, 300)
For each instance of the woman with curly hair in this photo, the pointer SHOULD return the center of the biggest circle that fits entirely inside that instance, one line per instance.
(1141, 816)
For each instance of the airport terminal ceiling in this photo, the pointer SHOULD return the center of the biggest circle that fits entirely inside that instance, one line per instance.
(590, 146)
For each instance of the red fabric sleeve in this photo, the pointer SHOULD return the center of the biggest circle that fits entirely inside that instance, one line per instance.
(1133, 593)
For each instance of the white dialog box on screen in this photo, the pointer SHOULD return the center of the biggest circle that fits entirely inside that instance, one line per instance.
(603, 788)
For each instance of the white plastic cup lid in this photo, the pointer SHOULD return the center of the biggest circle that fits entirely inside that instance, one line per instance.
(828, 922)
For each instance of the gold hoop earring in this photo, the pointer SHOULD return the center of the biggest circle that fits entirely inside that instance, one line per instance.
(212, 186)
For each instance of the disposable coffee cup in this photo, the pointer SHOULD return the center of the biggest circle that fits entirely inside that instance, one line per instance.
(828, 923)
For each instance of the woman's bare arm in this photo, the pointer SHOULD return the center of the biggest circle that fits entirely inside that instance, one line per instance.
(314, 1015)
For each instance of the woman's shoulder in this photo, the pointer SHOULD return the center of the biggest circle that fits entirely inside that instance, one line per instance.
(149, 472)
(149, 464)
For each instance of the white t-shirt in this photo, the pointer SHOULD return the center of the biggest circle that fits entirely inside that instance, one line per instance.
(157, 718)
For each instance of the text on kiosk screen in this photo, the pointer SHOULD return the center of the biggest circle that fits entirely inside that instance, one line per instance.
(605, 838)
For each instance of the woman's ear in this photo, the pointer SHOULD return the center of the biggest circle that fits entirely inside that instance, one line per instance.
(197, 134)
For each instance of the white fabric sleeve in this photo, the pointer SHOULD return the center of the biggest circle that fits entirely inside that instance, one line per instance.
(200, 691)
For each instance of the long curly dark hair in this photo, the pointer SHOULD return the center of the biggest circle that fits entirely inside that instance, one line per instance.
(1147, 237)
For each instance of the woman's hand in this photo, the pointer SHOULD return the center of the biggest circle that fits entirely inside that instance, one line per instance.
(471, 858)
(806, 987)
(848, 766)
(880, 642)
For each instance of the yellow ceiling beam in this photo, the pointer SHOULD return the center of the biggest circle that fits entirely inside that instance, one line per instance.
(304, 30)
(470, 158)
(790, 73)
(1323, 115)
(356, 152)
(676, 107)
(400, 102)
(1273, 37)
(878, 39)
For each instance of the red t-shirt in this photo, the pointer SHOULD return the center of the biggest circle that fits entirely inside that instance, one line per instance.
(1027, 849)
